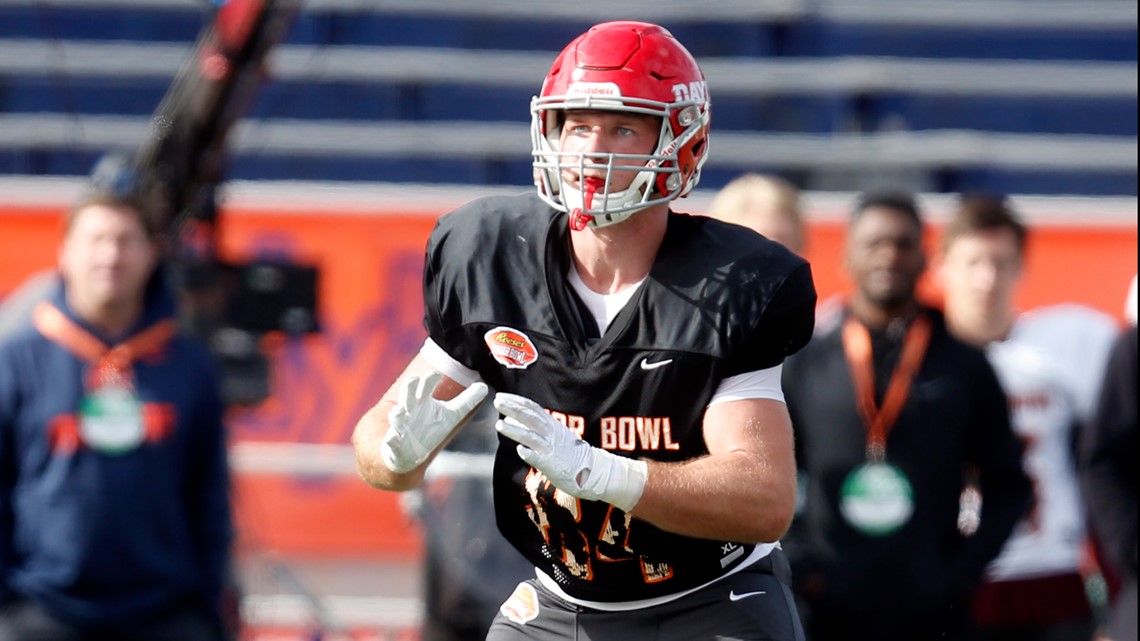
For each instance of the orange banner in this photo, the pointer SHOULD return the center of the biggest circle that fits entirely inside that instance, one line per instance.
(371, 316)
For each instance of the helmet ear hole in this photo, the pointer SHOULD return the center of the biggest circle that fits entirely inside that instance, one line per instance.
(688, 116)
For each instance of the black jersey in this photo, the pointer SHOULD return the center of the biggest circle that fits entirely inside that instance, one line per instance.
(719, 301)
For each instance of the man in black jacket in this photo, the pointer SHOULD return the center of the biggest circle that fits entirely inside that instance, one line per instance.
(889, 413)
(1108, 477)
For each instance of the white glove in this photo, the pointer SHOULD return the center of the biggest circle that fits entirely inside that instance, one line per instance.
(572, 465)
(419, 423)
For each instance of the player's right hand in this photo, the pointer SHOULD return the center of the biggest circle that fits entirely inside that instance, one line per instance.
(419, 423)
(572, 465)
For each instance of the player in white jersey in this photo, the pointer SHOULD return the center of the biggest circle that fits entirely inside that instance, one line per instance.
(1050, 362)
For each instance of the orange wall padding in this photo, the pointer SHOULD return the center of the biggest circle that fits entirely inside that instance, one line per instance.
(371, 314)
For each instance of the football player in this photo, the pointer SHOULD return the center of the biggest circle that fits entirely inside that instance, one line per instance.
(645, 464)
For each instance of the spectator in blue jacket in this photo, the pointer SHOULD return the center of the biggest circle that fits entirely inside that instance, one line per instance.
(114, 484)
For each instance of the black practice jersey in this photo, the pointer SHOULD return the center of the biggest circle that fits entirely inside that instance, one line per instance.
(719, 301)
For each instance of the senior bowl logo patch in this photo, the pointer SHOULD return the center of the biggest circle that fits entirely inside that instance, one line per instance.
(511, 347)
(522, 605)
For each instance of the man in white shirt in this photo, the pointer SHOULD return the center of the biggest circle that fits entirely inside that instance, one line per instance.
(1050, 362)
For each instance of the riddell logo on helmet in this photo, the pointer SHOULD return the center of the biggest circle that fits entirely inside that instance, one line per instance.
(593, 89)
(511, 347)
(697, 91)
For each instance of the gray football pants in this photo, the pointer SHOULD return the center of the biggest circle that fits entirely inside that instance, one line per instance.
(751, 605)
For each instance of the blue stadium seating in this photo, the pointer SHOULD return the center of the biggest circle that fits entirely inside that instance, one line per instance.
(1055, 115)
(341, 28)
(336, 101)
(408, 101)
(78, 95)
(47, 162)
(817, 113)
(517, 171)
(61, 23)
(786, 113)
(486, 171)
(702, 39)
(814, 38)
(1003, 181)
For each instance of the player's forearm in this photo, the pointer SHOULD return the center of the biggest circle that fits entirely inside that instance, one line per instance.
(731, 496)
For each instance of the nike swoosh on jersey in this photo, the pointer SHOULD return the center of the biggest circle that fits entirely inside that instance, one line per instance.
(733, 596)
(645, 364)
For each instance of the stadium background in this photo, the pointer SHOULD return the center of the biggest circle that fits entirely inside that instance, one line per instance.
(376, 119)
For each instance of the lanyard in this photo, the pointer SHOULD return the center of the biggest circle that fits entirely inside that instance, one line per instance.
(857, 347)
(110, 363)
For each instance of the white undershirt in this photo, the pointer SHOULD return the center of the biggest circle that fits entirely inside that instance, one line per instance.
(603, 307)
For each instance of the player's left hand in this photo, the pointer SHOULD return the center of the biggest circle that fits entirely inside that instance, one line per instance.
(572, 465)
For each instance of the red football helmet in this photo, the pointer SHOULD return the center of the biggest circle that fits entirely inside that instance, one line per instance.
(634, 67)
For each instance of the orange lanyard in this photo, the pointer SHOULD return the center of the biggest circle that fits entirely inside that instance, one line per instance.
(857, 347)
(107, 360)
